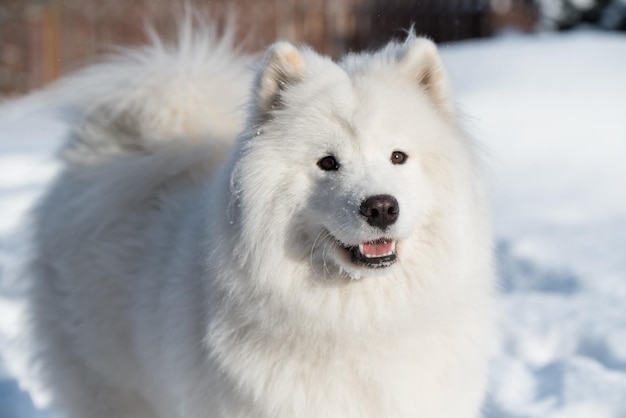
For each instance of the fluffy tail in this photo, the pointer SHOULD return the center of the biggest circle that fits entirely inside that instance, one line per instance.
(191, 91)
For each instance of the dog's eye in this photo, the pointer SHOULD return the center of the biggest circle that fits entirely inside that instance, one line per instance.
(328, 163)
(398, 157)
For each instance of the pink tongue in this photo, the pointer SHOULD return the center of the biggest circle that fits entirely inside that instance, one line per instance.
(376, 248)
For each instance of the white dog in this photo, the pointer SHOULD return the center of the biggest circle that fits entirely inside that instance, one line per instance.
(335, 263)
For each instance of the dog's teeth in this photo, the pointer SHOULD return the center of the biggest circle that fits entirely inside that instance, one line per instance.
(365, 254)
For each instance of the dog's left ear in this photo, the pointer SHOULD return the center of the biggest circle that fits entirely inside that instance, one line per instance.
(422, 63)
(282, 66)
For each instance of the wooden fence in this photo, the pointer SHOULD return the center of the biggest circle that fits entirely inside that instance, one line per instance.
(43, 39)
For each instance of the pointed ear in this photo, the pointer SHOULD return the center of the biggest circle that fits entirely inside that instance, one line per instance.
(422, 63)
(282, 66)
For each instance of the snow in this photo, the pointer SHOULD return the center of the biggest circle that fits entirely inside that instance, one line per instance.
(549, 111)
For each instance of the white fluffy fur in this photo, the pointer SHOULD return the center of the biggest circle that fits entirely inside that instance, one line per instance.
(164, 286)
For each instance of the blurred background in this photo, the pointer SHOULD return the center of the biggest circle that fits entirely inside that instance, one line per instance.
(43, 39)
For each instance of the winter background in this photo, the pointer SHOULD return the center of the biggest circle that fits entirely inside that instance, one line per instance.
(550, 113)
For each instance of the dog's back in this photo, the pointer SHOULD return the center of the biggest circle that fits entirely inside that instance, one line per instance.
(148, 123)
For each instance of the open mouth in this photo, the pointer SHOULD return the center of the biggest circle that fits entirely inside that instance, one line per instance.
(374, 254)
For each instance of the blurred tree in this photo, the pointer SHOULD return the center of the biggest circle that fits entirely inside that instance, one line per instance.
(567, 14)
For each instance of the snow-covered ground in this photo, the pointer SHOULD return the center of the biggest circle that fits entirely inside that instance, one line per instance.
(551, 113)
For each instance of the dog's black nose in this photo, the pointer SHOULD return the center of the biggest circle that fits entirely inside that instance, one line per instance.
(380, 210)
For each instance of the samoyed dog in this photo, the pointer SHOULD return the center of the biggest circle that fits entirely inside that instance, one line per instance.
(324, 251)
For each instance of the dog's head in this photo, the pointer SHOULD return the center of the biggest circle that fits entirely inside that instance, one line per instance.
(346, 164)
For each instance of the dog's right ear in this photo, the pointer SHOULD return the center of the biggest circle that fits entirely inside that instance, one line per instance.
(282, 66)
